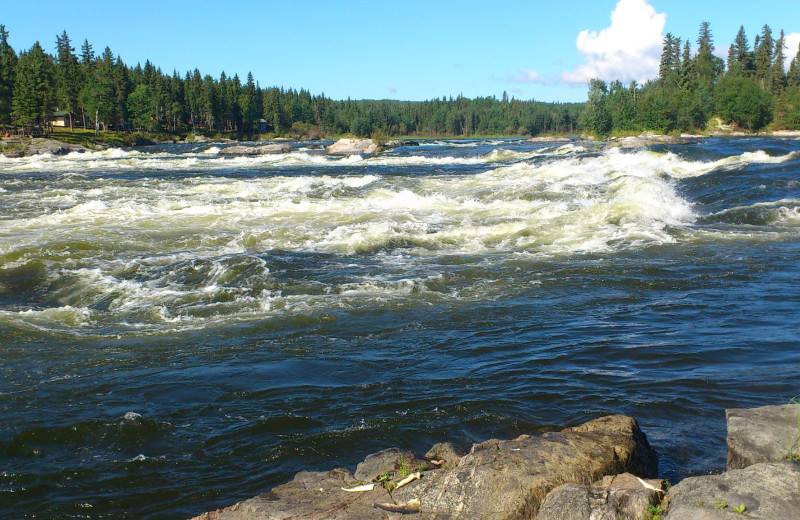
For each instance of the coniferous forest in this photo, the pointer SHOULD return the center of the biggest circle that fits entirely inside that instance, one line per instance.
(102, 89)
(751, 91)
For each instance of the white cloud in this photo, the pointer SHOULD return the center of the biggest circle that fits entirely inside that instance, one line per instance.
(629, 49)
(527, 76)
(792, 41)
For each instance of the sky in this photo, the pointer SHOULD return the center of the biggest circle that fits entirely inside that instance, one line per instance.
(411, 50)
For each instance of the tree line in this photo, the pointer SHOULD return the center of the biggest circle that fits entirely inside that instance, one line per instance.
(101, 91)
(750, 90)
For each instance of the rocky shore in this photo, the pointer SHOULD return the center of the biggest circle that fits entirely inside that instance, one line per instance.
(16, 147)
(601, 470)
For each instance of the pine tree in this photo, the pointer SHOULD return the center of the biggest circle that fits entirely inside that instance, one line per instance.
(742, 52)
(68, 76)
(777, 74)
(98, 95)
(763, 58)
(707, 67)
(667, 57)
(33, 93)
(687, 67)
(8, 66)
(793, 77)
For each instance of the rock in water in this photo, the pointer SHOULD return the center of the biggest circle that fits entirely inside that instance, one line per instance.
(256, 150)
(765, 434)
(352, 147)
(768, 491)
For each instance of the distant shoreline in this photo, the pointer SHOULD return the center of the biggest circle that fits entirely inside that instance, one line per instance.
(16, 147)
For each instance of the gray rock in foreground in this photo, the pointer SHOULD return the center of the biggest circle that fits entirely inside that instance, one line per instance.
(765, 434)
(769, 491)
(615, 497)
(496, 480)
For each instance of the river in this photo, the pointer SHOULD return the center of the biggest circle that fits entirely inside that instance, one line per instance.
(181, 329)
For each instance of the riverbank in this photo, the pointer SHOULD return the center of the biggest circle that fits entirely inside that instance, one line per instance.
(603, 469)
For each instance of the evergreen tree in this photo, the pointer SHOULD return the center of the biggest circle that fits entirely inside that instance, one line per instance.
(8, 66)
(763, 57)
(742, 54)
(98, 95)
(68, 76)
(33, 93)
(687, 67)
(777, 74)
(707, 67)
(667, 63)
(793, 77)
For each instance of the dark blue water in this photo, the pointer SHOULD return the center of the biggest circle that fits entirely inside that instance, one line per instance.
(180, 331)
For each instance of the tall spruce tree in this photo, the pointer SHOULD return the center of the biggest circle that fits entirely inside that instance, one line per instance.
(763, 57)
(8, 66)
(777, 74)
(33, 99)
(793, 77)
(68, 76)
(742, 54)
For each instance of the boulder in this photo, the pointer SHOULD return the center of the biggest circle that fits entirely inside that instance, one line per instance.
(765, 434)
(400, 142)
(392, 462)
(447, 454)
(769, 490)
(497, 479)
(615, 497)
(43, 146)
(352, 147)
(265, 149)
(509, 479)
(549, 140)
(644, 140)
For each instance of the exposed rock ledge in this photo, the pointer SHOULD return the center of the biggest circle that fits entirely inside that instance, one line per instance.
(25, 147)
(496, 480)
(554, 477)
(265, 149)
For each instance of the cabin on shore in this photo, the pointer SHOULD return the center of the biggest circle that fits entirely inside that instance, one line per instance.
(61, 118)
(261, 126)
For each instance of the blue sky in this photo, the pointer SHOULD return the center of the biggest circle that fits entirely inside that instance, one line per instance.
(410, 50)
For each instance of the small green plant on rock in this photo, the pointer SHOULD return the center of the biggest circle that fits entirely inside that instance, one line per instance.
(654, 512)
(722, 504)
(741, 508)
(404, 469)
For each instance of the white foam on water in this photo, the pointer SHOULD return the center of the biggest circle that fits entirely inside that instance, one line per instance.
(164, 254)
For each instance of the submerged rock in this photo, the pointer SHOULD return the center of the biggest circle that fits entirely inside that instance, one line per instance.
(769, 491)
(352, 147)
(265, 149)
(765, 434)
(496, 480)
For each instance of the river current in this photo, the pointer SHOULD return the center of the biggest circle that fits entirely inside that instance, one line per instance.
(180, 330)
